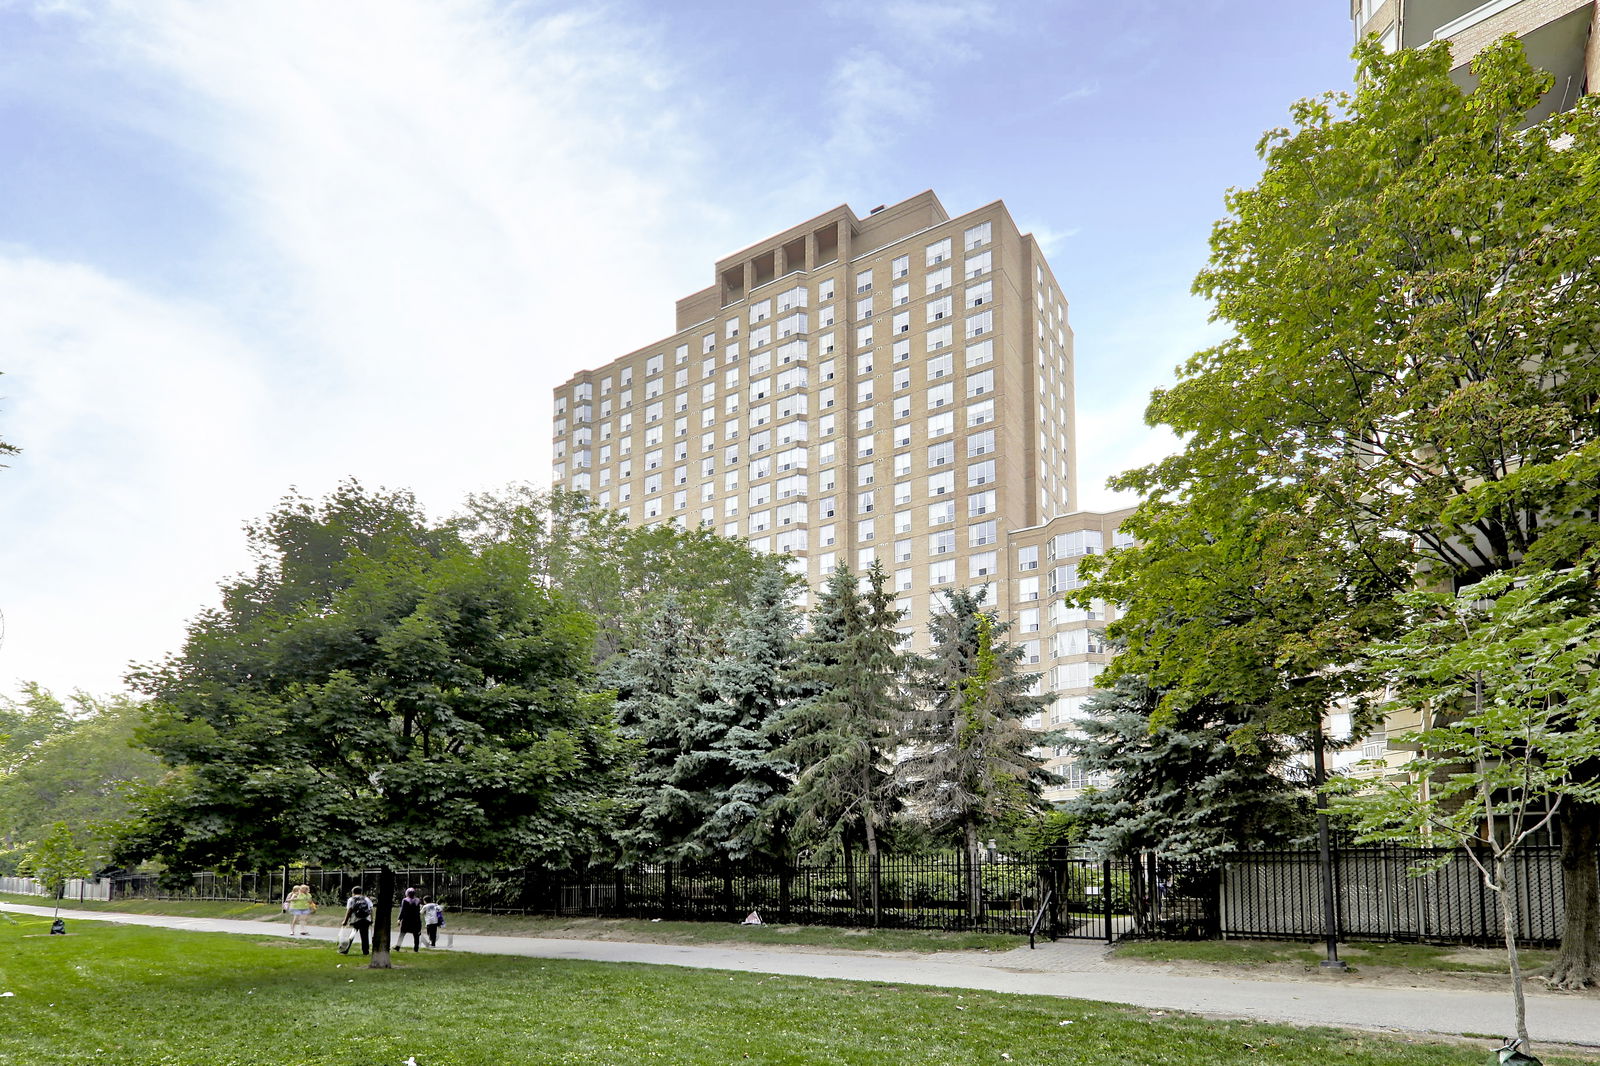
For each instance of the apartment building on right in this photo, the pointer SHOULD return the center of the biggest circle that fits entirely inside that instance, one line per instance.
(1558, 35)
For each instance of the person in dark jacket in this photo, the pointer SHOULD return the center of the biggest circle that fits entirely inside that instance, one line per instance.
(410, 921)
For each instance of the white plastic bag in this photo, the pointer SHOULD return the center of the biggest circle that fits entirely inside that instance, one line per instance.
(347, 935)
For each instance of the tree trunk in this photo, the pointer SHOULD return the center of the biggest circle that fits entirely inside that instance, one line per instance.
(1508, 927)
(850, 878)
(872, 871)
(1578, 964)
(974, 874)
(380, 920)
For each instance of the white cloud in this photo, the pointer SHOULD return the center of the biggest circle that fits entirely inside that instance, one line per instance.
(433, 213)
(872, 99)
(950, 26)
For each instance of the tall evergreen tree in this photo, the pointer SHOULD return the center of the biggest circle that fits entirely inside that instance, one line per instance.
(841, 734)
(1177, 782)
(735, 745)
(972, 760)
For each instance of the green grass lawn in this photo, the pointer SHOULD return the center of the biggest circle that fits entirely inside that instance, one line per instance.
(155, 997)
(1429, 957)
(814, 936)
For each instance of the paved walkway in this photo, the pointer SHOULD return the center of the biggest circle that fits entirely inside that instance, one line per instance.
(1077, 969)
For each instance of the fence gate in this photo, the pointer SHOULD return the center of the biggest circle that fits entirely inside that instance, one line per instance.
(1091, 899)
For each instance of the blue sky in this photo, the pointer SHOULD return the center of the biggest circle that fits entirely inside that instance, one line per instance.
(250, 246)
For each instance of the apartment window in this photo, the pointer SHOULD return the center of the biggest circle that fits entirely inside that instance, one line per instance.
(902, 580)
(978, 265)
(942, 484)
(938, 252)
(828, 535)
(793, 378)
(978, 295)
(864, 419)
(902, 522)
(824, 290)
(864, 281)
(980, 383)
(825, 562)
(760, 495)
(652, 484)
(1028, 620)
(1028, 588)
(902, 434)
(760, 388)
(653, 365)
(980, 353)
(980, 503)
(941, 396)
(789, 325)
(902, 464)
(864, 475)
(940, 366)
(902, 350)
(865, 557)
(900, 267)
(760, 337)
(940, 309)
(981, 443)
(866, 502)
(979, 414)
(980, 473)
(864, 336)
(902, 322)
(760, 312)
(791, 540)
(941, 512)
(793, 352)
(936, 281)
(795, 297)
(979, 324)
(942, 543)
(902, 379)
(981, 565)
(902, 406)
(902, 551)
(760, 364)
(976, 237)
(982, 533)
(863, 392)
(1030, 649)
(939, 425)
(1028, 558)
(942, 572)
(940, 337)
(900, 295)
(863, 309)
(942, 454)
(828, 506)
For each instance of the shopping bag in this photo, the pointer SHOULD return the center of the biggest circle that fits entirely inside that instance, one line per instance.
(347, 936)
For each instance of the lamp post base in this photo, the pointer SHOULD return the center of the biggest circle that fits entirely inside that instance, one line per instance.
(1333, 964)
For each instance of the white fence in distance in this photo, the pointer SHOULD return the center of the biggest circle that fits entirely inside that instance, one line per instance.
(97, 889)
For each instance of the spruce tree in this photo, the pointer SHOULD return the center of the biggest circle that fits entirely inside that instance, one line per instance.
(1186, 783)
(839, 736)
(971, 760)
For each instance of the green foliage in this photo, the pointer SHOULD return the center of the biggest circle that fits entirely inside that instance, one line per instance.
(1176, 784)
(619, 574)
(970, 759)
(376, 692)
(1508, 671)
(728, 772)
(839, 734)
(56, 858)
(78, 772)
(26, 723)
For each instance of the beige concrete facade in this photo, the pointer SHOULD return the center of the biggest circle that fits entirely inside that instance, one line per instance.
(895, 386)
(1558, 35)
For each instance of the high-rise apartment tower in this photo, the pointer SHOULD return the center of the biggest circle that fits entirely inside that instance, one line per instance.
(896, 387)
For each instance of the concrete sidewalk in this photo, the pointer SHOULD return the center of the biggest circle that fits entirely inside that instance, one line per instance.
(1077, 969)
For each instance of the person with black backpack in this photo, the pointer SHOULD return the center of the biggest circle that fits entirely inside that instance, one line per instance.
(358, 915)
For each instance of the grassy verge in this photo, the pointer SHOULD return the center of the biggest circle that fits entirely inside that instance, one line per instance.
(1258, 953)
(810, 936)
(153, 997)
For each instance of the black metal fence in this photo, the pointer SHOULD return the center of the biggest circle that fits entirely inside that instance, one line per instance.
(1377, 897)
(1088, 896)
(1248, 894)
